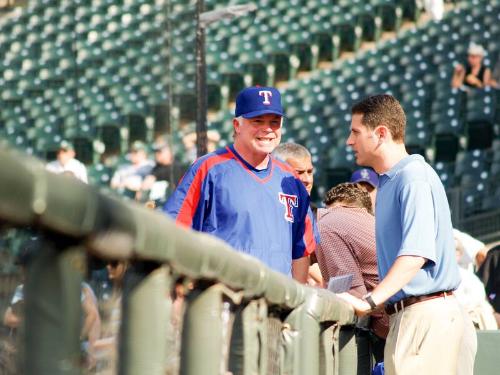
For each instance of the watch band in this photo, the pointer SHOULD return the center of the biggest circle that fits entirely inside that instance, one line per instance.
(368, 298)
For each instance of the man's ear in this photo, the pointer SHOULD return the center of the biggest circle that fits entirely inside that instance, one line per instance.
(382, 133)
(236, 125)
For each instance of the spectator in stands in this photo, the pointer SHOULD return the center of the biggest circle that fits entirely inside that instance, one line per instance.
(159, 180)
(116, 273)
(189, 141)
(472, 295)
(475, 74)
(347, 247)
(299, 158)
(66, 162)
(415, 246)
(245, 196)
(435, 8)
(110, 306)
(128, 178)
(368, 180)
(489, 273)
(472, 251)
(91, 324)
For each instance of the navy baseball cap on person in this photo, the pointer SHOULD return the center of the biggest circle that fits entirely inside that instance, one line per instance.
(365, 175)
(257, 101)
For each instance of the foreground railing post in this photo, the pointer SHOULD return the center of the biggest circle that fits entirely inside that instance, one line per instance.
(203, 332)
(249, 340)
(301, 336)
(327, 354)
(348, 354)
(145, 321)
(53, 310)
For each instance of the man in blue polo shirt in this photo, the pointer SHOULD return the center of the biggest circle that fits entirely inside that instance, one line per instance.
(415, 246)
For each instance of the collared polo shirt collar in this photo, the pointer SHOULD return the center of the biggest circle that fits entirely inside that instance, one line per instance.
(391, 173)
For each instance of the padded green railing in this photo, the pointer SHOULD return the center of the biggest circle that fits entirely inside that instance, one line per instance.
(75, 218)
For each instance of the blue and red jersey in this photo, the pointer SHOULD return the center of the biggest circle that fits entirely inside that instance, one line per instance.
(263, 213)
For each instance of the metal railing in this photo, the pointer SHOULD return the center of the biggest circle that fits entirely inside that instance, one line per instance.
(240, 317)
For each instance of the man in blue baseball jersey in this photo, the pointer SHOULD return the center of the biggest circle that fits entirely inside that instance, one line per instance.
(243, 195)
(415, 247)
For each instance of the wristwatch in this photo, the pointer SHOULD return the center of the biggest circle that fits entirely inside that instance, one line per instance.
(368, 298)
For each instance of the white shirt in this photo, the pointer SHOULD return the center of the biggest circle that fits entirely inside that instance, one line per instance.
(471, 248)
(73, 166)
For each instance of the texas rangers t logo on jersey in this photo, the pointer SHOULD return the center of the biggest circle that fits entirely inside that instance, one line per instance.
(267, 95)
(290, 201)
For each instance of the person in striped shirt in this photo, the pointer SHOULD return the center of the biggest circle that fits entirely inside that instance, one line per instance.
(347, 247)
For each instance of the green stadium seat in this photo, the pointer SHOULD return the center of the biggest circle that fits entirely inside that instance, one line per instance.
(278, 52)
(326, 44)
(109, 133)
(100, 175)
(491, 200)
(474, 164)
(341, 158)
(472, 198)
(345, 27)
(446, 173)
(481, 106)
(480, 117)
(302, 50)
(417, 140)
(390, 12)
(410, 9)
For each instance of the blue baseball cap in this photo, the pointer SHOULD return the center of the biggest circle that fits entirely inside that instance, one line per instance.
(365, 175)
(257, 101)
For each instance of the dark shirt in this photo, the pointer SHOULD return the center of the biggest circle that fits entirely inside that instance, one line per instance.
(489, 273)
(480, 74)
(161, 172)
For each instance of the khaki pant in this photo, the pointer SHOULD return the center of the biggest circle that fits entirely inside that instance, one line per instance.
(468, 347)
(425, 338)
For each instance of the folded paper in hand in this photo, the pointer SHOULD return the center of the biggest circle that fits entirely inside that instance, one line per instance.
(340, 284)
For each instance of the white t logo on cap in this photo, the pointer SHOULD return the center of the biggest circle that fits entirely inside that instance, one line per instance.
(266, 94)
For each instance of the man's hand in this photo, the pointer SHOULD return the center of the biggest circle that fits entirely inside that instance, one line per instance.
(360, 306)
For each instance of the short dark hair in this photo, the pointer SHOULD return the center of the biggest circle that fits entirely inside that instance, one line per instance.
(382, 109)
(349, 193)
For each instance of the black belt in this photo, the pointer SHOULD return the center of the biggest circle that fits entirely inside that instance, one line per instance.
(398, 306)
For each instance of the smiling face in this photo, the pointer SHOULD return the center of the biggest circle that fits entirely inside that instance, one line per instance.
(363, 141)
(255, 138)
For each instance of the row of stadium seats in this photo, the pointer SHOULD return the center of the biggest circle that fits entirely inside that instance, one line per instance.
(84, 71)
(416, 66)
(281, 38)
(104, 73)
